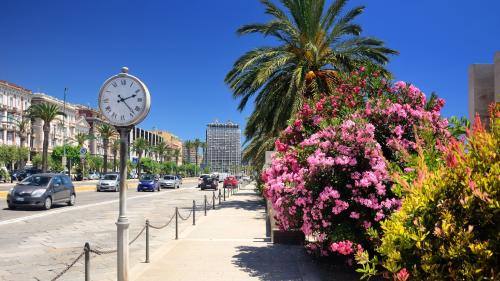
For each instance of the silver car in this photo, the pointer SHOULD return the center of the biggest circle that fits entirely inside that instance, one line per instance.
(109, 182)
(169, 181)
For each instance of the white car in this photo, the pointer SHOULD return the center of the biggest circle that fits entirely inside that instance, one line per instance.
(169, 181)
(109, 182)
(94, 176)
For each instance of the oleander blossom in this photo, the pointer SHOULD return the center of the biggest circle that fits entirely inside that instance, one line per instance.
(329, 176)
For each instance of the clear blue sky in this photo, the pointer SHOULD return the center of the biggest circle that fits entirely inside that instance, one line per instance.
(183, 49)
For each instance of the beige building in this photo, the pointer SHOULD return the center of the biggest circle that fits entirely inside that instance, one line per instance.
(484, 88)
(62, 127)
(14, 100)
(173, 141)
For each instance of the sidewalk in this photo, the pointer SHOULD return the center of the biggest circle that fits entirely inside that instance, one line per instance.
(230, 243)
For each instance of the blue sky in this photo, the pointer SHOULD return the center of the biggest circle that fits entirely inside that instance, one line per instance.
(183, 49)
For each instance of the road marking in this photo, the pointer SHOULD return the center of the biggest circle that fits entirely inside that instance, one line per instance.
(68, 209)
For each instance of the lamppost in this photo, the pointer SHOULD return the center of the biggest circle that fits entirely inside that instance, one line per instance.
(124, 101)
(64, 160)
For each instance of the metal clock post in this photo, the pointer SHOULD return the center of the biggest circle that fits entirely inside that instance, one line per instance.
(124, 101)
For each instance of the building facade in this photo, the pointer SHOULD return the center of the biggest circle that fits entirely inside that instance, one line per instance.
(151, 137)
(223, 152)
(484, 88)
(14, 101)
(63, 129)
(174, 142)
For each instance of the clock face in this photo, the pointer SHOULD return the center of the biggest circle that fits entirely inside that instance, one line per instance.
(124, 100)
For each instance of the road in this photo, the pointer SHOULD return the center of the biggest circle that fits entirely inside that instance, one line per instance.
(39, 244)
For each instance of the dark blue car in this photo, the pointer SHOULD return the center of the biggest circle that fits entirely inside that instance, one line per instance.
(148, 183)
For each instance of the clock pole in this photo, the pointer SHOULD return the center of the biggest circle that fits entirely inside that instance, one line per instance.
(122, 223)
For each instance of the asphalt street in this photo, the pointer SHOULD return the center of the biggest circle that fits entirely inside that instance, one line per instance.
(37, 244)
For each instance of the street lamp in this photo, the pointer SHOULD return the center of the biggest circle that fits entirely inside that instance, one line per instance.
(64, 134)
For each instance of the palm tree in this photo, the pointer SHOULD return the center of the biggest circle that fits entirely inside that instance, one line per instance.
(81, 138)
(177, 153)
(314, 43)
(115, 148)
(47, 113)
(188, 144)
(106, 132)
(140, 146)
(196, 145)
(203, 146)
(23, 126)
(161, 150)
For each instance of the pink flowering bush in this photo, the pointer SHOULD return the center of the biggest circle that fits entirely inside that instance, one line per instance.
(331, 175)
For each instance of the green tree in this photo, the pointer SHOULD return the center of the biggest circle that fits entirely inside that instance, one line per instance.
(314, 42)
(47, 113)
(188, 144)
(196, 146)
(94, 163)
(115, 148)
(23, 126)
(72, 154)
(203, 146)
(106, 132)
(161, 150)
(140, 146)
(168, 167)
(177, 154)
(150, 166)
(81, 138)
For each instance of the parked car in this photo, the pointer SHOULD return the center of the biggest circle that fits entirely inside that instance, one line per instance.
(230, 182)
(94, 176)
(42, 190)
(22, 174)
(200, 179)
(148, 183)
(209, 182)
(109, 182)
(169, 181)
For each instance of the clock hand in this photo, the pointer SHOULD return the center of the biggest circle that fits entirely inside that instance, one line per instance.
(123, 99)
(126, 104)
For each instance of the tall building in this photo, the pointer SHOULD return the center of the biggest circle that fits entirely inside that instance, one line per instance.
(151, 137)
(223, 152)
(484, 88)
(14, 100)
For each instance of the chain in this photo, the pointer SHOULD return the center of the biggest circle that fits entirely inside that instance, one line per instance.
(138, 235)
(69, 266)
(165, 225)
(189, 215)
(100, 252)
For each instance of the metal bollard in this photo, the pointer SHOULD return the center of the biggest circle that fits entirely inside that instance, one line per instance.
(86, 248)
(176, 223)
(219, 197)
(205, 205)
(213, 200)
(194, 212)
(224, 194)
(147, 241)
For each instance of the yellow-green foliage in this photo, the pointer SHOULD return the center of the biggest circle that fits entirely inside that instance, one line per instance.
(448, 227)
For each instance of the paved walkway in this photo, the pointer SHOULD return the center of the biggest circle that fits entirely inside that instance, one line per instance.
(230, 243)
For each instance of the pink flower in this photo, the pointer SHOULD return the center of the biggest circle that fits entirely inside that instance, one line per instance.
(402, 275)
(342, 247)
(354, 215)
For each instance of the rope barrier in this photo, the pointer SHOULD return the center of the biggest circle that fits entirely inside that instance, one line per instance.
(68, 266)
(185, 218)
(165, 225)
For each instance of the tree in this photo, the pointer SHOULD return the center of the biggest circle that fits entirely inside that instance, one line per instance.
(140, 146)
(115, 148)
(72, 154)
(203, 146)
(314, 44)
(94, 162)
(177, 153)
(188, 144)
(161, 150)
(47, 113)
(81, 138)
(23, 127)
(106, 132)
(196, 145)
(150, 166)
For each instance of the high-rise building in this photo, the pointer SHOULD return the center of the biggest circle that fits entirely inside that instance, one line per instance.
(223, 153)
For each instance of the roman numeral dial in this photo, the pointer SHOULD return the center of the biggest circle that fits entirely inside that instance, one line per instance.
(124, 100)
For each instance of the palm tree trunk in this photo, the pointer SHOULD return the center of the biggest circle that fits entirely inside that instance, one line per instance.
(105, 143)
(196, 161)
(45, 147)
(139, 156)
(23, 142)
(114, 161)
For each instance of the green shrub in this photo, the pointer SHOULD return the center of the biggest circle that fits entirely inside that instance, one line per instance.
(448, 227)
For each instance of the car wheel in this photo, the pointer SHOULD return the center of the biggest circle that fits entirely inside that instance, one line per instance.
(48, 203)
(12, 207)
(98, 190)
(72, 200)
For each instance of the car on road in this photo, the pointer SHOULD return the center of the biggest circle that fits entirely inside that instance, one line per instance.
(209, 182)
(94, 176)
(42, 190)
(148, 183)
(230, 182)
(22, 174)
(200, 179)
(169, 181)
(109, 182)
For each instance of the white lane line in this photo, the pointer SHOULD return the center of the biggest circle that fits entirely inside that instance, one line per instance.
(74, 208)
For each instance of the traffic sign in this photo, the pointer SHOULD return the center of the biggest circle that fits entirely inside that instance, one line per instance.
(83, 151)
